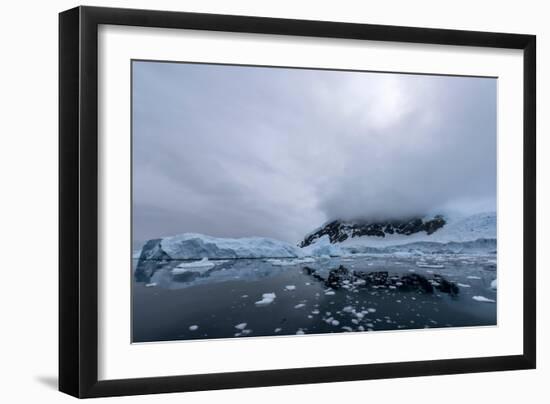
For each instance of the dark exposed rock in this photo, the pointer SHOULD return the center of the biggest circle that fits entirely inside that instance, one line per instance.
(339, 231)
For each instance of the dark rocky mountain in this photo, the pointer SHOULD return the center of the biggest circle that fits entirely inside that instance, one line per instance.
(339, 230)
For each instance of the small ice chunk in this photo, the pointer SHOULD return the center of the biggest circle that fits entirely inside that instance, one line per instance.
(494, 284)
(348, 329)
(240, 326)
(329, 292)
(267, 298)
(335, 322)
(371, 310)
(150, 285)
(193, 327)
(473, 277)
(300, 332)
(299, 306)
(277, 329)
(463, 285)
(290, 287)
(482, 299)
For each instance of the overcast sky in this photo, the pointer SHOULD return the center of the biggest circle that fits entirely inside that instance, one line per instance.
(236, 151)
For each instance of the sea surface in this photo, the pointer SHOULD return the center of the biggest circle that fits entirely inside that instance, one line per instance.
(244, 298)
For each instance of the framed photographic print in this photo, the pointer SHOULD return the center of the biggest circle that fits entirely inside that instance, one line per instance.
(250, 201)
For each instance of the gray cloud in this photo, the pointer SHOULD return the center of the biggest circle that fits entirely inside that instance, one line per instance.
(242, 151)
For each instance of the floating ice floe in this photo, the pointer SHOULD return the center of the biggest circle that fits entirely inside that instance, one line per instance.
(300, 332)
(194, 266)
(473, 277)
(241, 326)
(494, 284)
(277, 329)
(299, 306)
(193, 327)
(290, 287)
(267, 298)
(482, 299)
(421, 264)
(329, 292)
(150, 285)
(463, 285)
(290, 261)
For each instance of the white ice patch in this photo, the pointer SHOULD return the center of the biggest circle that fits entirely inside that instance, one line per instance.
(150, 285)
(195, 266)
(482, 299)
(299, 306)
(431, 266)
(240, 326)
(267, 298)
(193, 327)
(463, 285)
(290, 287)
(473, 277)
(494, 284)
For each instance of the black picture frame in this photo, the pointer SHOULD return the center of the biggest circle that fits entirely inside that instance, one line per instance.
(78, 201)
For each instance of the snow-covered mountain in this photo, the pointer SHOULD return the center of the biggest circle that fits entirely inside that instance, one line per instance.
(381, 234)
(453, 234)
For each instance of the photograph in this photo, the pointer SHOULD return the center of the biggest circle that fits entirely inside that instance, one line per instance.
(275, 201)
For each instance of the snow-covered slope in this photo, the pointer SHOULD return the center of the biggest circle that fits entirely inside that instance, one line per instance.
(456, 229)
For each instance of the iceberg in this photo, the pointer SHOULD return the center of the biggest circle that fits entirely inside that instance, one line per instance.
(323, 247)
(193, 246)
(198, 246)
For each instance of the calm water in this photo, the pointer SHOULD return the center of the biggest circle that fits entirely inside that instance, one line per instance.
(360, 294)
